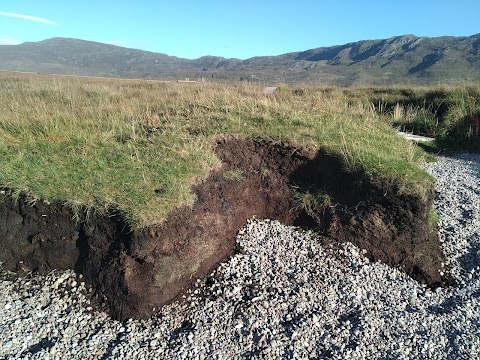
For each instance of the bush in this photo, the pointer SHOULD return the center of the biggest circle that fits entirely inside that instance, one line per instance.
(449, 114)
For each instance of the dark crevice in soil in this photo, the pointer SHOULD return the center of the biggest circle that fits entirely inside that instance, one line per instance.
(135, 274)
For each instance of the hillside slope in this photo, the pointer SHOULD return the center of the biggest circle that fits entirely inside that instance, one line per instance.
(406, 59)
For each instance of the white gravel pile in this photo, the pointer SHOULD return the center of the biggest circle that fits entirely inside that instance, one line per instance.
(285, 296)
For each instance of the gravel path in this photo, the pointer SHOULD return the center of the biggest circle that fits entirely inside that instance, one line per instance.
(286, 295)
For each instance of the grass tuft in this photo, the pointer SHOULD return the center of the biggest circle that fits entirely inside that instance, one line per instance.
(314, 204)
(433, 219)
(234, 175)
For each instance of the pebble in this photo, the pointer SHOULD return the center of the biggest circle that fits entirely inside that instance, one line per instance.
(286, 295)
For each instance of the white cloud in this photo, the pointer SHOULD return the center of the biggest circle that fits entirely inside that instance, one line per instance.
(27, 17)
(5, 40)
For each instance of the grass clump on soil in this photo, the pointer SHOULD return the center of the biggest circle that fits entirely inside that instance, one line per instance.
(234, 175)
(138, 147)
(433, 219)
(313, 203)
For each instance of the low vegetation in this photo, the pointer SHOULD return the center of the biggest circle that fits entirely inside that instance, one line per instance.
(314, 204)
(138, 147)
(450, 114)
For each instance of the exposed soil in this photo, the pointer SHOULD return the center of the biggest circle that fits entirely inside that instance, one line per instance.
(138, 273)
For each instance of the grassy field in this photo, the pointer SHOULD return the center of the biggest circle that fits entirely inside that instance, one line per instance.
(138, 146)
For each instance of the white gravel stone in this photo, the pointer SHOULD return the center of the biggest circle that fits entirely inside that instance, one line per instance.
(286, 295)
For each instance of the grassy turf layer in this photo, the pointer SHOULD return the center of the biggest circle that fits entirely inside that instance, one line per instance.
(139, 146)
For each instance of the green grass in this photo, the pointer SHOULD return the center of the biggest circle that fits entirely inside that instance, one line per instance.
(450, 114)
(314, 204)
(433, 219)
(102, 144)
(234, 175)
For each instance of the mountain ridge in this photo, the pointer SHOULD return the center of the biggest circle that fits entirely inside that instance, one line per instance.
(404, 59)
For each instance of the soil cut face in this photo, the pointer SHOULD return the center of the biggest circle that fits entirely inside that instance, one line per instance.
(137, 273)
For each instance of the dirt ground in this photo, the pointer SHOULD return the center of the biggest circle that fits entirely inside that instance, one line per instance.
(137, 273)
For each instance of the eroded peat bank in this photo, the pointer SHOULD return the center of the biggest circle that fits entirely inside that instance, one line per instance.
(135, 273)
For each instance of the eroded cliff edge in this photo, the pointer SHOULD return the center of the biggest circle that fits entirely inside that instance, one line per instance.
(136, 273)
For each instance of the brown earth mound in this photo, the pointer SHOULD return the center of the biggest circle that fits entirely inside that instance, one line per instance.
(137, 273)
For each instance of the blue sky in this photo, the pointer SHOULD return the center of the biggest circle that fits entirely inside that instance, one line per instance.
(241, 28)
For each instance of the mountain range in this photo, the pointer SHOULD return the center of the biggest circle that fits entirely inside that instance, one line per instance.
(404, 59)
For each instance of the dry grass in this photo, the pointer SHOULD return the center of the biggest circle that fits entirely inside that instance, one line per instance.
(109, 144)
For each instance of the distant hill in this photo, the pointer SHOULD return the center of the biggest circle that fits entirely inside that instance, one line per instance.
(400, 59)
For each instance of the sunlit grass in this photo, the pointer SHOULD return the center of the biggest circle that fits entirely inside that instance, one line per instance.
(138, 147)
